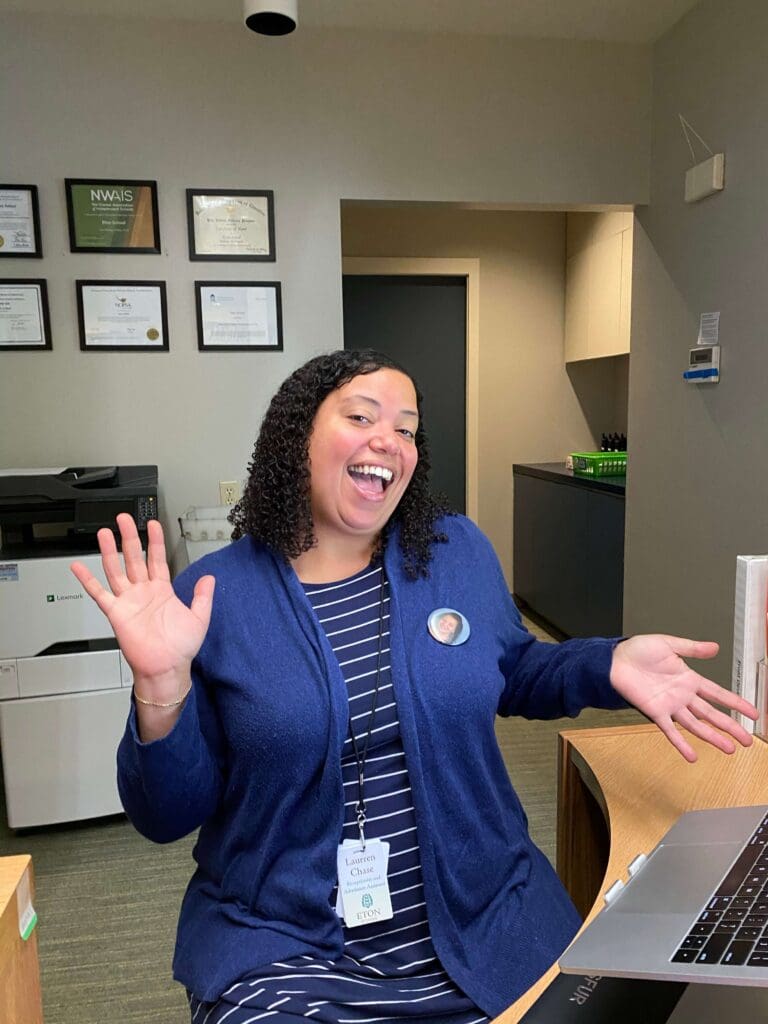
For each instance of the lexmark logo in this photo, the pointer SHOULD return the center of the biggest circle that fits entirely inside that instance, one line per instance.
(50, 598)
(111, 195)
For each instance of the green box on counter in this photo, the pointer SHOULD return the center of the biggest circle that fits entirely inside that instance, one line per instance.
(599, 463)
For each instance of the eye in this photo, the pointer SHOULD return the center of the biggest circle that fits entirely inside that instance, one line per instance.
(358, 417)
(407, 433)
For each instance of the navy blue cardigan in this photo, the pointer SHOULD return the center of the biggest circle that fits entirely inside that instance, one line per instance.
(254, 762)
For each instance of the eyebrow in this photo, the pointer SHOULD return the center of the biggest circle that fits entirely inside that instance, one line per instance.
(373, 401)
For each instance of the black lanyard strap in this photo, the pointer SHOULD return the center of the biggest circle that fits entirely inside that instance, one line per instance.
(360, 808)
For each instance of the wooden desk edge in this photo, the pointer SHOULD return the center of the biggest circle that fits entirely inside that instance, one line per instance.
(20, 992)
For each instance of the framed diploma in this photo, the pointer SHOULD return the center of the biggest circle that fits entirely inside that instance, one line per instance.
(231, 225)
(19, 222)
(235, 316)
(24, 320)
(109, 215)
(115, 316)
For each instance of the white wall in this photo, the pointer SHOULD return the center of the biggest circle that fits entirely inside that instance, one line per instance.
(698, 485)
(317, 117)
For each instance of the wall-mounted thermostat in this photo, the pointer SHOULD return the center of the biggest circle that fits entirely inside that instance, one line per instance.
(703, 365)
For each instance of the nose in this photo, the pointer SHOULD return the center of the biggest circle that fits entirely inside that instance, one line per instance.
(385, 441)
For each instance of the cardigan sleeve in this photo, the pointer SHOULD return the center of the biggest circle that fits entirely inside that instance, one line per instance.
(170, 786)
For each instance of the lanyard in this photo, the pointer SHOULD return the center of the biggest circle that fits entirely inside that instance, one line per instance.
(360, 808)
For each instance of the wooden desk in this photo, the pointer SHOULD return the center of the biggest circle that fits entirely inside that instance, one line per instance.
(20, 998)
(619, 791)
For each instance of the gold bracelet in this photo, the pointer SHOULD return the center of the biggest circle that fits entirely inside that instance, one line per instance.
(157, 704)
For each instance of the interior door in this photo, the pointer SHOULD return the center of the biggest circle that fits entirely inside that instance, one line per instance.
(420, 321)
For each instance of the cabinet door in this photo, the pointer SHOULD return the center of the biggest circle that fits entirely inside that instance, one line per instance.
(604, 547)
(605, 297)
(550, 557)
(577, 306)
(569, 555)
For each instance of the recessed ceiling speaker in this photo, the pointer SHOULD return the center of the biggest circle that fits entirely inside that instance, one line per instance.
(271, 17)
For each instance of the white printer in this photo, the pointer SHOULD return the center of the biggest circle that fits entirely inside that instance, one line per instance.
(64, 686)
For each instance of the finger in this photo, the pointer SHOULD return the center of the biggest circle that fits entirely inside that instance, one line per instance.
(686, 648)
(202, 600)
(727, 698)
(678, 741)
(704, 731)
(157, 562)
(720, 720)
(133, 554)
(93, 587)
(112, 563)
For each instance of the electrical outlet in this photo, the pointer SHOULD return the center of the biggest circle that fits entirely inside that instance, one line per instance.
(229, 491)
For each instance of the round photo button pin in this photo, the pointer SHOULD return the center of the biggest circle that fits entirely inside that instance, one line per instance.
(448, 627)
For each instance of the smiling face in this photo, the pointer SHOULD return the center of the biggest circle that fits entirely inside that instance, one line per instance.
(448, 627)
(362, 454)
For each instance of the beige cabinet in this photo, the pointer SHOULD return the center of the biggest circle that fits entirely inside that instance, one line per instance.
(598, 286)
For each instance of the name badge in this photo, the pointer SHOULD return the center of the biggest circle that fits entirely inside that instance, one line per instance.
(363, 895)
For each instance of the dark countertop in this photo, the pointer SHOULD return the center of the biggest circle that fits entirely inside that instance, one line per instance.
(557, 472)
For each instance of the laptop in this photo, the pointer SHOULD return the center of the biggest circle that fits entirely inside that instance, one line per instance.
(696, 910)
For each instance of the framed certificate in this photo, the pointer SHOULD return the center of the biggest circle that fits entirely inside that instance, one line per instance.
(235, 316)
(24, 320)
(110, 215)
(19, 223)
(122, 315)
(231, 225)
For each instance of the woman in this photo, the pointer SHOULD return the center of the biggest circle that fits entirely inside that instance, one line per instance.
(312, 728)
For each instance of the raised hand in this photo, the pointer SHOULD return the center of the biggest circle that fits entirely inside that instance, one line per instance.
(649, 672)
(158, 634)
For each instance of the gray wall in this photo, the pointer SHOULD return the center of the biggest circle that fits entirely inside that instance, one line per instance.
(698, 485)
(318, 117)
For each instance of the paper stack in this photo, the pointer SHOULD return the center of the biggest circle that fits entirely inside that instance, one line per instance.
(749, 629)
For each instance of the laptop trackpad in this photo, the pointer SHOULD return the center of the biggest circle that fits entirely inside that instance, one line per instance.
(677, 879)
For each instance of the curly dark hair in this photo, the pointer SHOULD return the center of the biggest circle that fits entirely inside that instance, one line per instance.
(275, 507)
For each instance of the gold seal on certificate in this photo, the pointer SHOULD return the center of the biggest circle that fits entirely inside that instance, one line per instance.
(231, 225)
(118, 315)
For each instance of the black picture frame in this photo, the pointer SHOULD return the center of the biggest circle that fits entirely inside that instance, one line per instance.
(204, 344)
(197, 253)
(86, 346)
(45, 318)
(37, 254)
(111, 187)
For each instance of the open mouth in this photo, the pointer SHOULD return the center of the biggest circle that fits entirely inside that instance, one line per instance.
(371, 479)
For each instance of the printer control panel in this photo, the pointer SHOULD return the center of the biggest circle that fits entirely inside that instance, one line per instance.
(146, 509)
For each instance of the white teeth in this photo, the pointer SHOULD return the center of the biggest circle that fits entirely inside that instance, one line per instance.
(385, 474)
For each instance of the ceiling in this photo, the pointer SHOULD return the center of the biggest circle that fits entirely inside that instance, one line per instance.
(631, 21)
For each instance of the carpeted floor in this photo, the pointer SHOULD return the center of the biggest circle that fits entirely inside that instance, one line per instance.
(107, 899)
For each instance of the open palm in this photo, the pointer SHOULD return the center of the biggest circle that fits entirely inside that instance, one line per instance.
(649, 672)
(158, 634)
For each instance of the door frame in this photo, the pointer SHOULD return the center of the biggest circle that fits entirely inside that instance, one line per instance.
(470, 270)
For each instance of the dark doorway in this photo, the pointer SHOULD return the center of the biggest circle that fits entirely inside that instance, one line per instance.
(420, 321)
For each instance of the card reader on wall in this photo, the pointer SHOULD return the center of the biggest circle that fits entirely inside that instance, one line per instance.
(703, 365)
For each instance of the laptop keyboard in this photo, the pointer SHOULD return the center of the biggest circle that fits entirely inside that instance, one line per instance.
(733, 929)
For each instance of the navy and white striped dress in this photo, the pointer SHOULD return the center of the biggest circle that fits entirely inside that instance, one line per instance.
(389, 971)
